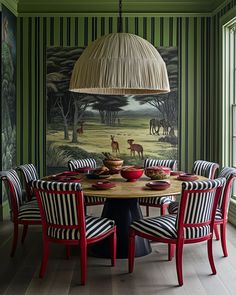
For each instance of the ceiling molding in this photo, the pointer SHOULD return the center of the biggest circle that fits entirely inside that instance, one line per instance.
(11, 5)
(111, 6)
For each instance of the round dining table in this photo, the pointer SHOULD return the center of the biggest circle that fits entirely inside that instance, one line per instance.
(122, 206)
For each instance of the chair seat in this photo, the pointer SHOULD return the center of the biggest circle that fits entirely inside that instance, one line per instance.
(94, 200)
(95, 227)
(164, 227)
(155, 200)
(29, 211)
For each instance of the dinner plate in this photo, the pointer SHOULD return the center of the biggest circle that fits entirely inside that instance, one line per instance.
(97, 176)
(64, 178)
(158, 185)
(175, 173)
(85, 169)
(103, 185)
(187, 177)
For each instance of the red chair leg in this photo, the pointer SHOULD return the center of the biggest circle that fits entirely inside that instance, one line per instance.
(216, 232)
(131, 250)
(83, 262)
(113, 249)
(25, 229)
(179, 267)
(147, 210)
(15, 238)
(223, 238)
(68, 251)
(171, 250)
(44, 259)
(210, 256)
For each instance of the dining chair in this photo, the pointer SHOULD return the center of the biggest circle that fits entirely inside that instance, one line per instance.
(193, 224)
(221, 217)
(64, 221)
(28, 173)
(159, 202)
(21, 212)
(205, 168)
(202, 168)
(91, 163)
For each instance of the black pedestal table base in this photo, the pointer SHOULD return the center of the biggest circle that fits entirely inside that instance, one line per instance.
(123, 212)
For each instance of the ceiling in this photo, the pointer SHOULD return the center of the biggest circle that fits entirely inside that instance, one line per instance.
(111, 6)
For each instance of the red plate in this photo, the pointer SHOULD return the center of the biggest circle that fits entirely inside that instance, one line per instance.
(175, 173)
(67, 173)
(158, 185)
(187, 177)
(85, 169)
(103, 185)
(64, 178)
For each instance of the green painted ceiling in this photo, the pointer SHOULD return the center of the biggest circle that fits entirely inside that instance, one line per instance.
(111, 6)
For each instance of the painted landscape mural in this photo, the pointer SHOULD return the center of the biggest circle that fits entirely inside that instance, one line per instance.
(130, 127)
(8, 86)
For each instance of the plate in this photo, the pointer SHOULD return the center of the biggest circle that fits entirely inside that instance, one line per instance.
(176, 173)
(103, 185)
(66, 173)
(85, 169)
(64, 178)
(158, 185)
(97, 176)
(187, 177)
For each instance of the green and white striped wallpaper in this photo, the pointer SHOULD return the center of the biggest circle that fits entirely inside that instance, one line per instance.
(199, 97)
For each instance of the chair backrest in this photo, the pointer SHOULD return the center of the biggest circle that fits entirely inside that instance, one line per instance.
(13, 186)
(198, 207)
(61, 205)
(29, 173)
(230, 174)
(167, 163)
(80, 163)
(205, 168)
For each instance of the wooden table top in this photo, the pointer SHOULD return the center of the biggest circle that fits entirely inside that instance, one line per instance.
(124, 189)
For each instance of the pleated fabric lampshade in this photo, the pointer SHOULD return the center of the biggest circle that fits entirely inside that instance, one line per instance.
(120, 64)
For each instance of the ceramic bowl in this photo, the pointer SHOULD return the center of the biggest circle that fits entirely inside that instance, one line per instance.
(113, 164)
(131, 173)
(157, 172)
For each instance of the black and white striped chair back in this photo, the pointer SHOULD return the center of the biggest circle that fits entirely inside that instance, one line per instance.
(80, 163)
(167, 163)
(29, 171)
(13, 180)
(197, 207)
(59, 208)
(205, 168)
(230, 174)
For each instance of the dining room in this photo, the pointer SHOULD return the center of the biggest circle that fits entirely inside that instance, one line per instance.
(118, 151)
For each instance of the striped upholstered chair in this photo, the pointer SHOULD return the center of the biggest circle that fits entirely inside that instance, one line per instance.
(205, 168)
(25, 213)
(64, 221)
(91, 163)
(222, 206)
(194, 222)
(200, 167)
(160, 202)
(28, 173)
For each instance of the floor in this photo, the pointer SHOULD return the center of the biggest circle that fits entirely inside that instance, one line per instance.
(153, 274)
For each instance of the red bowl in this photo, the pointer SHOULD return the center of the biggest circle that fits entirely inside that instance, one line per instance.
(131, 173)
(158, 185)
(176, 173)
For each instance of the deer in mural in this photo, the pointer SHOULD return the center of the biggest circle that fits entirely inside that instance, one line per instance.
(114, 145)
(80, 130)
(135, 148)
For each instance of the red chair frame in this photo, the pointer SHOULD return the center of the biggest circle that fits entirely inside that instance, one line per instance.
(180, 240)
(82, 242)
(223, 222)
(14, 218)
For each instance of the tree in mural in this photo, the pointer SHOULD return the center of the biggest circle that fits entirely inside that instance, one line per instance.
(109, 108)
(166, 104)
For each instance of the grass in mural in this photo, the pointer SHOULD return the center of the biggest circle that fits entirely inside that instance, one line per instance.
(96, 138)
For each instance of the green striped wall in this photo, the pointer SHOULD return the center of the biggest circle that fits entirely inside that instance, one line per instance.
(190, 34)
(198, 42)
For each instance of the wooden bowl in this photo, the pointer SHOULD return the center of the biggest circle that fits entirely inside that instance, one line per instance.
(113, 164)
